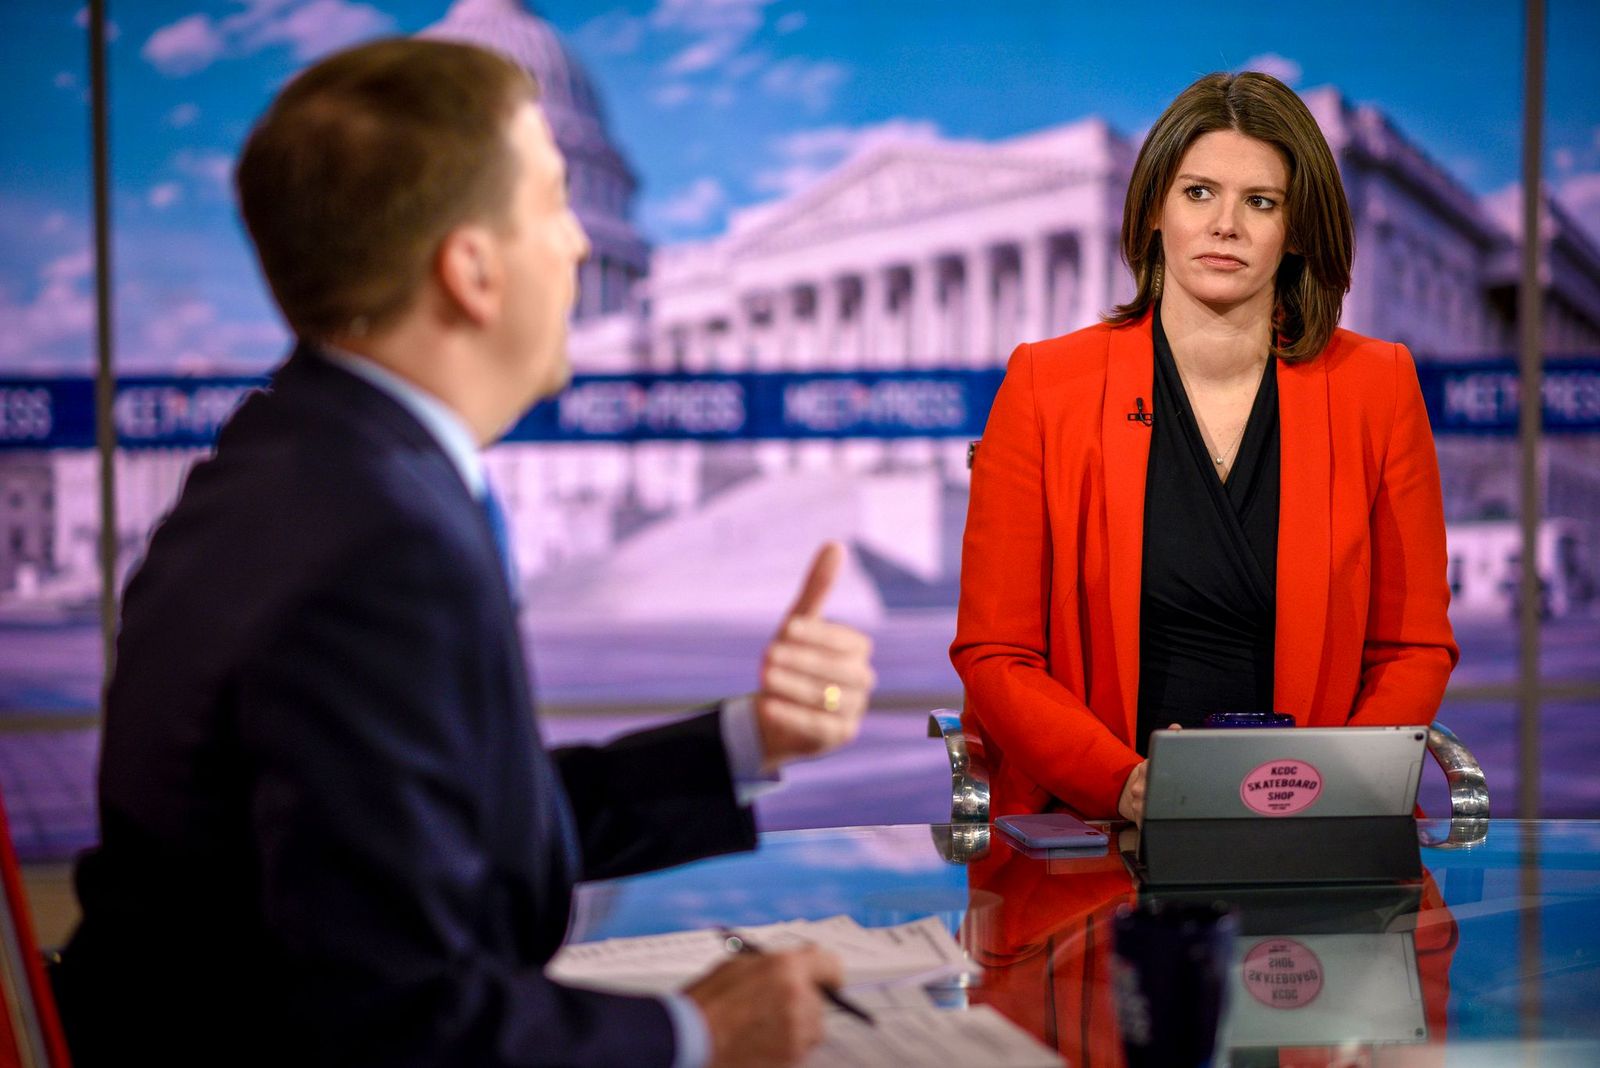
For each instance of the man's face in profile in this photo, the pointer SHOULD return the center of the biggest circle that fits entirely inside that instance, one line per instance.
(542, 245)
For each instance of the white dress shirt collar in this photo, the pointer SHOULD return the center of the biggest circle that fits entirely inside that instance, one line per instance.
(446, 427)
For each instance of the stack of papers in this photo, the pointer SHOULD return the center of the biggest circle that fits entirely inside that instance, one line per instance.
(929, 1037)
(914, 953)
(885, 969)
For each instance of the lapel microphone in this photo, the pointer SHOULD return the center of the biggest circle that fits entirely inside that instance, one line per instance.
(1141, 416)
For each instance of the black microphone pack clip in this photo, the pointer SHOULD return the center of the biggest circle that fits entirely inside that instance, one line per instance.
(1141, 416)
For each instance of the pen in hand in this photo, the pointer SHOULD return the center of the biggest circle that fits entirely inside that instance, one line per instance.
(738, 943)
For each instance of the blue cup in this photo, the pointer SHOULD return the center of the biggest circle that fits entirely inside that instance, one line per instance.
(1169, 976)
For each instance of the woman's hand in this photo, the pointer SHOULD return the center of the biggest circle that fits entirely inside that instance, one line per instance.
(1131, 804)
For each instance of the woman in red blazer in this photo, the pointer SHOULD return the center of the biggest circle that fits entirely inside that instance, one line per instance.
(1239, 237)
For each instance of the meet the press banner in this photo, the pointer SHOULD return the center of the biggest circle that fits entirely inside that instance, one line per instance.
(1478, 397)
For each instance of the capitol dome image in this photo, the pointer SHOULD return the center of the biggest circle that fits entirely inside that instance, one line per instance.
(601, 182)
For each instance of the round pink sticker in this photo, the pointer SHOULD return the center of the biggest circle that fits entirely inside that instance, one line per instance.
(1281, 787)
(1282, 974)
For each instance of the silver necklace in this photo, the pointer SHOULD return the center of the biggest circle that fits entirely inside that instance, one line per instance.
(1238, 438)
(1222, 457)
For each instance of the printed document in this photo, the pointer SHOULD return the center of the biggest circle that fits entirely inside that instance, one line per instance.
(929, 1036)
(915, 953)
(885, 971)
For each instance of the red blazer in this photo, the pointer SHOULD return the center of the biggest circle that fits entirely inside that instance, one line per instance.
(1047, 635)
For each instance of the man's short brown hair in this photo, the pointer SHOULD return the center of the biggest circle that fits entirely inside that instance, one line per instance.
(1313, 278)
(361, 166)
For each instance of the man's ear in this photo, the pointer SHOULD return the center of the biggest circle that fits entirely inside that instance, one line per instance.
(468, 270)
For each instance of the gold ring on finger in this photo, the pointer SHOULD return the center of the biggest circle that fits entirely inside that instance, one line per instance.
(830, 697)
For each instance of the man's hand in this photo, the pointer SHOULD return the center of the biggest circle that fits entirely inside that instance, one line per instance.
(816, 676)
(766, 1009)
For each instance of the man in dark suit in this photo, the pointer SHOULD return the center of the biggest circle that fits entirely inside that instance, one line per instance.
(331, 834)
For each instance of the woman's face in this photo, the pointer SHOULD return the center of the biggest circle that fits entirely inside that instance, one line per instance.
(1222, 222)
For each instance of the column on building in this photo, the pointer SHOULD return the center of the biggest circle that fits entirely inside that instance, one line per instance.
(777, 349)
(1033, 254)
(719, 343)
(1098, 249)
(1008, 324)
(1064, 263)
(670, 350)
(745, 333)
(769, 457)
(844, 353)
(803, 345)
(957, 283)
(978, 349)
(870, 315)
(853, 353)
(925, 345)
(898, 314)
(734, 341)
(947, 296)
(861, 454)
(658, 353)
(916, 284)
(954, 300)
(830, 299)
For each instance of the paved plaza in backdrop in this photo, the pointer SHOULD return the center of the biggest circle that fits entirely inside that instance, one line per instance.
(588, 680)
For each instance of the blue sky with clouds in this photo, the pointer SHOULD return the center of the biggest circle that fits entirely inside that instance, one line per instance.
(717, 103)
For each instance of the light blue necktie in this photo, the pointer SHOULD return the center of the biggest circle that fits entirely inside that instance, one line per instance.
(501, 529)
(563, 826)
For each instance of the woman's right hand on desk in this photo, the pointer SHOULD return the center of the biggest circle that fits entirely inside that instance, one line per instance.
(1130, 806)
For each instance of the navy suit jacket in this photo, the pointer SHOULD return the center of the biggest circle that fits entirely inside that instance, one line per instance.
(330, 832)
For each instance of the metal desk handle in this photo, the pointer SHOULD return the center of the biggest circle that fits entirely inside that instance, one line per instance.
(1469, 793)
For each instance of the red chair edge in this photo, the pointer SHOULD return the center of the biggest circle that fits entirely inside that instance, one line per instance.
(33, 964)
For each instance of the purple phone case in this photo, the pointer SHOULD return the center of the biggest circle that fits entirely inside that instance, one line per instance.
(1051, 830)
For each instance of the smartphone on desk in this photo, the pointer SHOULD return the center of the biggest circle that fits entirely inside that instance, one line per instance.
(1052, 830)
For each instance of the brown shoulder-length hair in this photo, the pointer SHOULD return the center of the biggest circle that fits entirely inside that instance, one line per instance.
(361, 166)
(1315, 274)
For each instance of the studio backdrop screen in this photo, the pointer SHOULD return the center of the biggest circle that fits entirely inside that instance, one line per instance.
(819, 229)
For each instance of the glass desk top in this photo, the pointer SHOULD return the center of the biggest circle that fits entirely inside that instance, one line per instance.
(1493, 959)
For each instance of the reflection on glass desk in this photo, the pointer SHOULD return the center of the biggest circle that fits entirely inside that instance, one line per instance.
(1494, 958)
